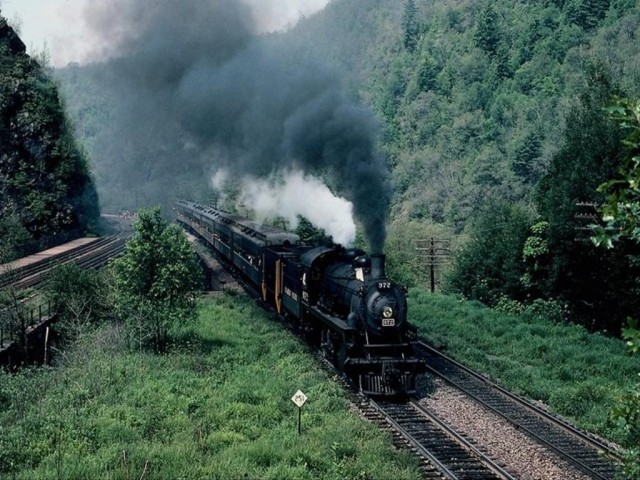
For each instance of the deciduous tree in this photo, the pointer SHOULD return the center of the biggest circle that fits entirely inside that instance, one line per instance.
(80, 297)
(410, 25)
(621, 217)
(156, 279)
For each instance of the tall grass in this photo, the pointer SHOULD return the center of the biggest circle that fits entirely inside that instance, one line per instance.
(216, 406)
(580, 375)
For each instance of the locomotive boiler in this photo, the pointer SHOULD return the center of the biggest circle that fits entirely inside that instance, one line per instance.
(340, 299)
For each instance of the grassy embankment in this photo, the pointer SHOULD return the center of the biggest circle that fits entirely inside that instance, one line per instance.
(578, 374)
(216, 406)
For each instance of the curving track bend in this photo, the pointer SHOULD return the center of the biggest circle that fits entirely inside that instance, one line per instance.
(586, 452)
(94, 254)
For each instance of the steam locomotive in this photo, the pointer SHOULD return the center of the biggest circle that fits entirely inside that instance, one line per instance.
(340, 299)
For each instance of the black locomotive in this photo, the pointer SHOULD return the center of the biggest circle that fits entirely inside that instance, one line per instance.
(340, 298)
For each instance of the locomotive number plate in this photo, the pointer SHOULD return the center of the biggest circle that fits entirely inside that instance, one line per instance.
(388, 322)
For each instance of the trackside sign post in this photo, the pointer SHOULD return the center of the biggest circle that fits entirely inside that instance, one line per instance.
(299, 398)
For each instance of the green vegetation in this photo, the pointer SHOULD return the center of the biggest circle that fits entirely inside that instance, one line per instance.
(493, 124)
(216, 405)
(578, 374)
(488, 270)
(310, 234)
(621, 214)
(46, 192)
(80, 297)
(489, 103)
(156, 279)
(480, 104)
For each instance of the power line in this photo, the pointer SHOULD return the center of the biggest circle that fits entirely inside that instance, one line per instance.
(435, 253)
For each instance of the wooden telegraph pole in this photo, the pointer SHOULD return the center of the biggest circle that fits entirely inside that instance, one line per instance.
(586, 215)
(435, 253)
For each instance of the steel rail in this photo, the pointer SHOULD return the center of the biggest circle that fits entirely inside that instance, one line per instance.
(92, 258)
(530, 408)
(18, 274)
(494, 467)
(485, 467)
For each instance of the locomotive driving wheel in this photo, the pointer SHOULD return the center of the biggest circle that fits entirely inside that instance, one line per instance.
(327, 344)
(333, 348)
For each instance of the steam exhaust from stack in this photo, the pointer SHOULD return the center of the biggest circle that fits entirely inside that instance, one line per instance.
(194, 77)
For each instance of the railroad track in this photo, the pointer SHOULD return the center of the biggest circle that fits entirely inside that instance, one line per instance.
(586, 452)
(447, 455)
(92, 255)
(453, 456)
(373, 413)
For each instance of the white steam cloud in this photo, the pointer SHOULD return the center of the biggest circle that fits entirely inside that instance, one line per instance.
(297, 194)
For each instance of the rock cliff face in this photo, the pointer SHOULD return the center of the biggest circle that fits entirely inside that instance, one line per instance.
(46, 192)
(11, 39)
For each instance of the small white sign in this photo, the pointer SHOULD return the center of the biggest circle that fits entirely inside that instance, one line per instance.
(299, 398)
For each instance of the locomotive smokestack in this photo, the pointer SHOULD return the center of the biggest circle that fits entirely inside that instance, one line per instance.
(377, 267)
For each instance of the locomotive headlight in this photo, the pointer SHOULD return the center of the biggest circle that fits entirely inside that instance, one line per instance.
(387, 312)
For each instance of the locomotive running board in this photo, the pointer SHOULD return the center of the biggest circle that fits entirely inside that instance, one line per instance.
(335, 323)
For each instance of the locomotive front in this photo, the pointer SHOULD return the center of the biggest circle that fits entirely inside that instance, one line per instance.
(376, 346)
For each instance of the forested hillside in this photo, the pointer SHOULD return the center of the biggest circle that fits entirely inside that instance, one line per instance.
(46, 191)
(495, 131)
(492, 124)
(473, 95)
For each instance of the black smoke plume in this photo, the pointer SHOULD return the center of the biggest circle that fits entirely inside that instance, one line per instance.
(200, 91)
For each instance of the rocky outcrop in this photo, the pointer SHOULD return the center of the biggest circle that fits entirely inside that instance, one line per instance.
(46, 192)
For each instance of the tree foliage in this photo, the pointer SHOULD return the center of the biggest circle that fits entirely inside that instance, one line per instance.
(487, 34)
(621, 217)
(310, 234)
(46, 191)
(587, 13)
(156, 279)
(410, 25)
(490, 266)
(621, 212)
(80, 297)
(587, 278)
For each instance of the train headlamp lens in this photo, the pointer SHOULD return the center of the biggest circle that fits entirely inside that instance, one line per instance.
(387, 312)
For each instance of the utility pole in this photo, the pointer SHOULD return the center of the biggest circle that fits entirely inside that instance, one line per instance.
(586, 215)
(435, 252)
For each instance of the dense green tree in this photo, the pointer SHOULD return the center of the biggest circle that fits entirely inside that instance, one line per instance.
(595, 283)
(310, 234)
(80, 297)
(410, 25)
(535, 254)
(621, 217)
(621, 211)
(587, 13)
(427, 73)
(14, 237)
(490, 265)
(526, 164)
(44, 178)
(156, 279)
(487, 33)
